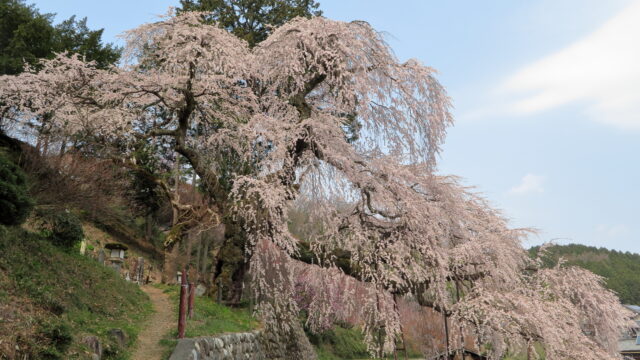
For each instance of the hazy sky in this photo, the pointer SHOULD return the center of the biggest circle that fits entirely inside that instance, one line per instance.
(546, 94)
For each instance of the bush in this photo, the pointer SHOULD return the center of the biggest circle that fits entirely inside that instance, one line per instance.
(55, 337)
(61, 227)
(15, 203)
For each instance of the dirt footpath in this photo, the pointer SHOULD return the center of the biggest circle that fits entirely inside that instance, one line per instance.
(159, 324)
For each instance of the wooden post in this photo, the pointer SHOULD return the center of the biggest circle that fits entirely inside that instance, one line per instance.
(182, 311)
(147, 280)
(380, 354)
(192, 295)
(134, 271)
(462, 346)
(219, 291)
(446, 333)
(250, 300)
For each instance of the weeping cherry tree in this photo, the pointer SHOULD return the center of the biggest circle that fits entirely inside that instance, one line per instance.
(322, 111)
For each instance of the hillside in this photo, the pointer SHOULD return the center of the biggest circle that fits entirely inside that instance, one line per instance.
(55, 302)
(51, 300)
(621, 269)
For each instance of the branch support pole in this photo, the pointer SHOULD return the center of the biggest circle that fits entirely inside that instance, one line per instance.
(192, 297)
(446, 334)
(219, 291)
(182, 311)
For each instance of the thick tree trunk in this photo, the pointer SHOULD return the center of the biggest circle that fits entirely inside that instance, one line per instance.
(148, 229)
(170, 264)
(231, 265)
(205, 253)
(198, 243)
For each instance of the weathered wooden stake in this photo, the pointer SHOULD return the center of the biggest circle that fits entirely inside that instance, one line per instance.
(192, 297)
(147, 280)
(182, 311)
(446, 333)
(250, 300)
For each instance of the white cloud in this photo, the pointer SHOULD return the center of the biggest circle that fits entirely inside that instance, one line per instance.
(601, 70)
(530, 183)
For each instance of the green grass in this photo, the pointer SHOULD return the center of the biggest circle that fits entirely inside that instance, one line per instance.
(209, 318)
(339, 343)
(68, 295)
(522, 355)
(342, 343)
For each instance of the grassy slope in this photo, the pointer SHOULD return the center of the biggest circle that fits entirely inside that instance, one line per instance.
(209, 318)
(57, 293)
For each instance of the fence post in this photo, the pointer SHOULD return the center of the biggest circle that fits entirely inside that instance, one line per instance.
(192, 295)
(182, 311)
(250, 300)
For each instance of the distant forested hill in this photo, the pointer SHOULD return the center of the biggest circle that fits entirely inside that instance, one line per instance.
(621, 269)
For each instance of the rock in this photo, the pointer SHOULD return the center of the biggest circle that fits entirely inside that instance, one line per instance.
(183, 349)
(200, 290)
(230, 346)
(119, 337)
(94, 345)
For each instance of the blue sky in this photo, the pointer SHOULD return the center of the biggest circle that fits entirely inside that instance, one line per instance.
(546, 94)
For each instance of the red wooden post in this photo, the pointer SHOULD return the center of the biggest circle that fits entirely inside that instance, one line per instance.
(182, 311)
(192, 297)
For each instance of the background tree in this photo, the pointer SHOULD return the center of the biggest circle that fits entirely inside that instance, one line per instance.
(252, 20)
(284, 107)
(73, 36)
(620, 269)
(15, 202)
(26, 36)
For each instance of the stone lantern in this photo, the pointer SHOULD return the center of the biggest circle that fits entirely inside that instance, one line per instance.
(115, 255)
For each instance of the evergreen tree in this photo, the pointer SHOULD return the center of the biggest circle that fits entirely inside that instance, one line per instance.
(251, 20)
(26, 35)
(15, 203)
